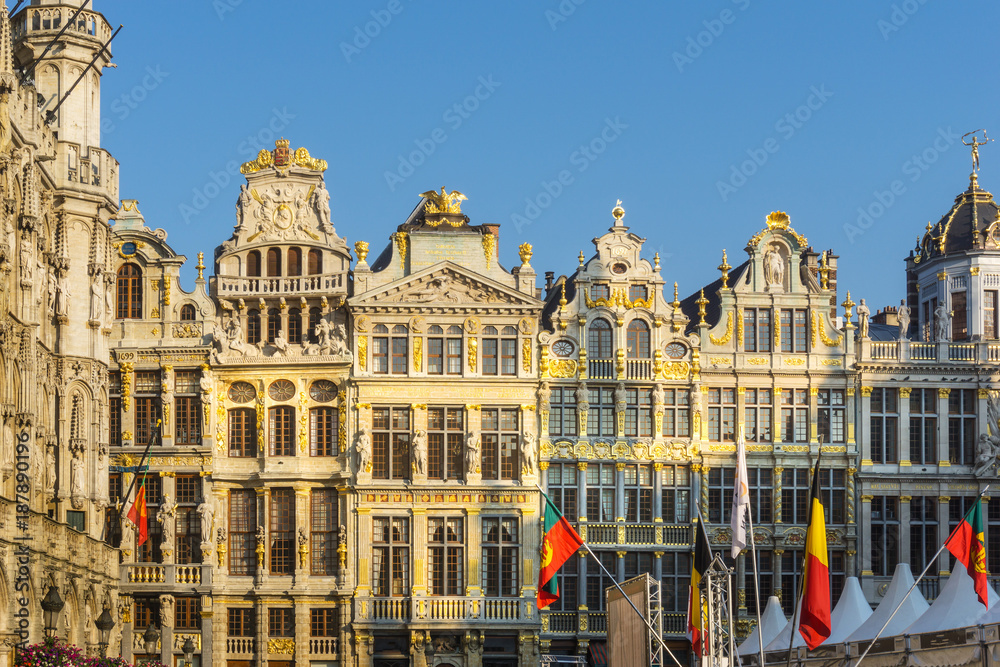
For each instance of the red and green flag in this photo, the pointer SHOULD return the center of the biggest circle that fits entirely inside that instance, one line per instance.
(967, 545)
(814, 616)
(560, 542)
(139, 515)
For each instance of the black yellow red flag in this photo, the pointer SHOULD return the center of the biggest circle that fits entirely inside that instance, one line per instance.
(814, 617)
(697, 613)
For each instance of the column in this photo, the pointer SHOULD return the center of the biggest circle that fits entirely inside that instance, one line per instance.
(944, 559)
(904, 426)
(473, 550)
(704, 487)
(778, 553)
(866, 535)
(207, 614)
(776, 500)
(302, 565)
(125, 620)
(581, 498)
(263, 502)
(852, 417)
(620, 491)
(167, 631)
(814, 415)
(581, 580)
(866, 419)
(657, 493)
(418, 540)
(904, 529)
(531, 545)
(168, 547)
(364, 551)
(944, 456)
(776, 416)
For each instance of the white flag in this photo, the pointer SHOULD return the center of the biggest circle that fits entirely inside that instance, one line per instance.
(741, 499)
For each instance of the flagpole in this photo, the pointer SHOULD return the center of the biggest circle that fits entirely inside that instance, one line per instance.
(797, 611)
(756, 585)
(142, 459)
(930, 562)
(610, 576)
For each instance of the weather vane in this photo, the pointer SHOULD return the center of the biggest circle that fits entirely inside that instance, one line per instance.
(975, 143)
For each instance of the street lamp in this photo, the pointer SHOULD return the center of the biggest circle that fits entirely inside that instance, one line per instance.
(188, 650)
(52, 604)
(104, 624)
(150, 638)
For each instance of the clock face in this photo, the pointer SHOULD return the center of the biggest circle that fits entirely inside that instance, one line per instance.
(323, 391)
(281, 390)
(675, 350)
(563, 348)
(242, 392)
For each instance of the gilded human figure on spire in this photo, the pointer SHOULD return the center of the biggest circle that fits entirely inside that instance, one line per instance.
(975, 143)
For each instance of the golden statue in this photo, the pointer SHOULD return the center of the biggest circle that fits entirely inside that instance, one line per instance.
(443, 202)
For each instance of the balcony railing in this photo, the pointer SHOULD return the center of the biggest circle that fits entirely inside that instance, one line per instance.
(240, 645)
(494, 610)
(595, 622)
(156, 573)
(636, 534)
(915, 351)
(245, 285)
(605, 369)
(323, 646)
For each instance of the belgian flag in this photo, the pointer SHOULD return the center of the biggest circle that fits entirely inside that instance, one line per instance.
(560, 542)
(139, 515)
(967, 545)
(814, 617)
(697, 613)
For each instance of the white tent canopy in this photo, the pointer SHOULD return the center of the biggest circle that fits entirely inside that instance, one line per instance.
(780, 642)
(851, 611)
(956, 606)
(912, 609)
(771, 622)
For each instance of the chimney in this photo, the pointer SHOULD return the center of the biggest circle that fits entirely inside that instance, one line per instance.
(549, 275)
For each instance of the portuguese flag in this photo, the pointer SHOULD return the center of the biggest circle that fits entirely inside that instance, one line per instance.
(966, 545)
(697, 608)
(560, 542)
(814, 617)
(138, 514)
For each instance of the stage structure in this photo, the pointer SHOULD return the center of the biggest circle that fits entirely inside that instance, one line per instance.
(630, 643)
(720, 650)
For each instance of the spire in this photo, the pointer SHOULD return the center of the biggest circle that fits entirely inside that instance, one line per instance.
(29, 200)
(7, 79)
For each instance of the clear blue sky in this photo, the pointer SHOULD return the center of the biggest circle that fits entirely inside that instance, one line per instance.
(682, 94)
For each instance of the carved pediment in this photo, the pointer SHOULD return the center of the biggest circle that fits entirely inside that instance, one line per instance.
(444, 286)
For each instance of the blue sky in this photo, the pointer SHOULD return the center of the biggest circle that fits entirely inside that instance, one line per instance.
(702, 117)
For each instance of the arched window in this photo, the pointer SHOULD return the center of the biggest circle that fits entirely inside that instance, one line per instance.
(253, 327)
(253, 263)
(187, 312)
(294, 326)
(295, 261)
(315, 262)
(314, 315)
(599, 340)
(274, 262)
(129, 292)
(637, 340)
(273, 324)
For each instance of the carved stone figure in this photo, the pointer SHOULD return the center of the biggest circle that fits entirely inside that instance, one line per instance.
(24, 254)
(986, 455)
(544, 397)
(303, 538)
(528, 452)
(8, 448)
(420, 452)
(364, 448)
(166, 611)
(903, 315)
(323, 330)
(472, 446)
(774, 267)
(338, 344)
(165, 517)
(62, 295)
(241, 206)
(942, 323)
(321, 201)
(128, 533)
(621, 397)
(77, 474)
(109, 296)
(207, 514)
(205, 381)
(281, 348)
(52, 291)
(438, 289)
(582, 397)
(658, 394)
(864, 315)
(50, 471)
(97, 297)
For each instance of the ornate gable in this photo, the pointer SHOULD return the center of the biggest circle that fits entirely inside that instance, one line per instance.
(444, 285)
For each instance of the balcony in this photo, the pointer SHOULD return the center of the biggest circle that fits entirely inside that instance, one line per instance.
(635, 534)
(325, 646)
(241, 286)
(635, 369)
(240, 646)
(971, 353)
(593, 622)
(167, 574)
(449, 609)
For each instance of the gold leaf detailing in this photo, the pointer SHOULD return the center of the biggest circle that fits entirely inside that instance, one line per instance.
(363, 352)
(443, 202)
(739, 328)
(401, 239)
(418, 348)
(489, 248)
(726, 337)
(757, 361)
(795, 361)
(524, 251)
(562, 368)
(820, 325)
(526, 355)
(618, 298)
(676, 370)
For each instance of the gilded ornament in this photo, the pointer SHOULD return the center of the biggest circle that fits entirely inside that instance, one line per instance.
(724, 268)
(757, 361)
(284, 646)
(777, 220)
(676, 370)
(830, 362)
(943, 392)
(401, 239)
(562, 368)
(418, 348)
(126, 374)
(702, 302)
(726, 337)
(824, 272)
(361, 248)
(281, 158)
(489, 248)
(201, 266)
(526, 355)
(618, 212)
(303, 423)
(443, 202)
(473, 349)
(795, 361)
(525, 252)
(220, 420)
(820, 326)
(363, 352)
(848, 305)
(739, 328)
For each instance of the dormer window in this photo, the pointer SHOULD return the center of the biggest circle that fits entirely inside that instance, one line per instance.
(600, 291)
(638, 292)
(187, 313)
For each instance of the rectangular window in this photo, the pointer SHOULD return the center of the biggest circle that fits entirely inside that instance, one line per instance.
(146, 414)
(399, 347)
(380, 355)
(927, 322)
(241, 622)
(923, 426)
(885, 535)
(280, 622)
(390, 443)
(187, 421)
(601, 492)
(600, 291)
(115, 487)
(601, 416)
(500, 436)
(758, 414)
(391, 556)
(242, 531)
(490, 354)
(757, 330)
(115, 421)
(281, 430)
(147, 612)
(676, 413)
(446, 556)
(675, 494)
(884, 425)
(598, 581)
(675, 584)
(833, 485)
(795, 495)
(445, 439)
(323, 529)
(188, 535)
(188, 489)
(501, 556)
(722, 414)
(795, 415)
(435, 356)
(453, 351)
(562, 489)
(636, 292)
(962, 426)
(832, 422)
(960, 316)
(794, 330)
(562, 413)
(639, 412)
(282, 531)
(923, 531)
(324, 622)
(187, 613)
(991, 325)
(242, 432)
(323, 431)
(638, 493)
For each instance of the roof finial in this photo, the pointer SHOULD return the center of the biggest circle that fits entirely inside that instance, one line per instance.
(975, 143)
(618, 212)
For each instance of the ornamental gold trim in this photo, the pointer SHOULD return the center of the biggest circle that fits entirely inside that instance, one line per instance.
(489, 248)
(618, 298)
(418, 353)
(728, 335)
(795, 361)
(820, 326)
(757, 361)
(401, 239)
(526, 355)
(563, 368)
(739, 327)
(266, 158)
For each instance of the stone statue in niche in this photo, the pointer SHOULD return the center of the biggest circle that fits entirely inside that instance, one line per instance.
(50, 471)
(582, 397)
(774, 267)
(25, 256)
(903, 316)
(77, 476)
(471, 453)
(420, 452)
(544, 397)
(621, 398)
(62, 295)
(165, 517)
(51, 285)
(207, 514)
(242, 203)
(97, 296)
(528, 452)
(364, 449)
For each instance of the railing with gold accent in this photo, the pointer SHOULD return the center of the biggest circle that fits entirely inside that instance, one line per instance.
(188, 574)
(145, 574)
(596, 622)
(503, 609)
(923, 351)
(563, 622)
(638, 534)
(993, 352)
(638, 369)
(961, 352)
(323, 646)
(156, 573)
(447, 609)
(390, 609)
(885, 350)
(601, 369)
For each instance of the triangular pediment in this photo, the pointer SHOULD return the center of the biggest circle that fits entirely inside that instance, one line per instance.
(445, 285)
